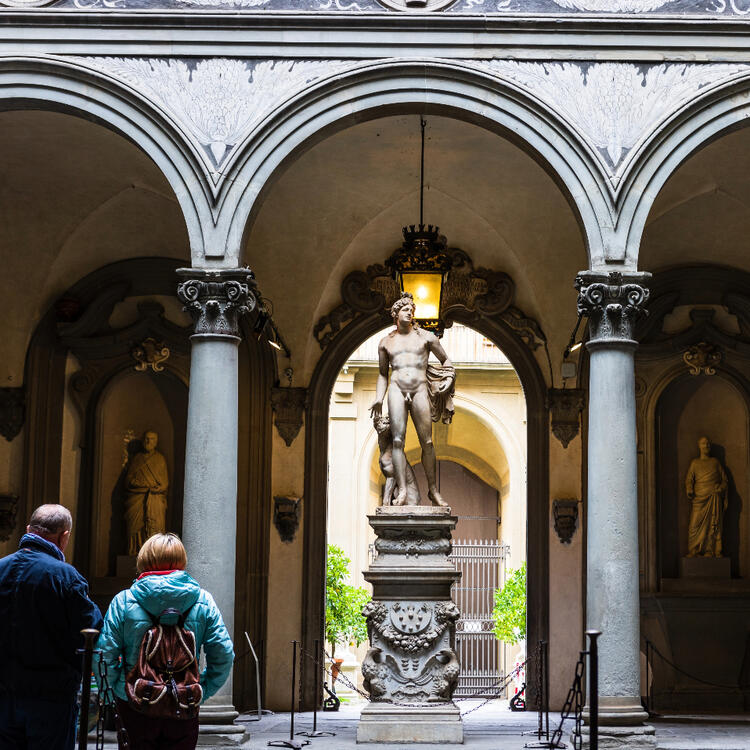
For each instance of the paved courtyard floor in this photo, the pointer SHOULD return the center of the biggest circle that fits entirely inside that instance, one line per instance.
(491, 727)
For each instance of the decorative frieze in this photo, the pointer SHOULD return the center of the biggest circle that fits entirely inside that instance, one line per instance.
(216, 101)
(217, 299)
(613, 106)
(613, 304)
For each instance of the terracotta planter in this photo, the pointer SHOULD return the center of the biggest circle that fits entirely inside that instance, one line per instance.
(335, 668)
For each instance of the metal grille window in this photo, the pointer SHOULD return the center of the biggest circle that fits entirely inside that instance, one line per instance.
(482, 565)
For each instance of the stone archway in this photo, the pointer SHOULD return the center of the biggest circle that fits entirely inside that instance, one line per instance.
(479, 298)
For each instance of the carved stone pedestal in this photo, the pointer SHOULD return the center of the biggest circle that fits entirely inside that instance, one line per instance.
(411, 668)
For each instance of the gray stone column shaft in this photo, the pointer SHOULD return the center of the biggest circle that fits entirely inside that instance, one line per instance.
(215, 299)
(613, 303)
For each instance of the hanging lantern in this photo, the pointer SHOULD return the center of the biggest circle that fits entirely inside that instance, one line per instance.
(422, 263)
(420, 266)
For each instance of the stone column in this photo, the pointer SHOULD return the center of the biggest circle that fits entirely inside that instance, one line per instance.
(613, 303)
(215, 300)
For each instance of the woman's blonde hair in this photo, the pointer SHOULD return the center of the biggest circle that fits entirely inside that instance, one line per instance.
(162, 552)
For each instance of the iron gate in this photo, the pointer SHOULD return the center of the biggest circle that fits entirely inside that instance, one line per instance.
(482, 566)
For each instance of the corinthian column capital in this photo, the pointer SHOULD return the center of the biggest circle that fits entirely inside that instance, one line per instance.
(613, 302)
(217, 299)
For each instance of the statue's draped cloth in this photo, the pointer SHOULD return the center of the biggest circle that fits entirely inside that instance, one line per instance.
(441, 402)
(146, 500)
(707, 481)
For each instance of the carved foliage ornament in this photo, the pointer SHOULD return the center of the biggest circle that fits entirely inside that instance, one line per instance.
(288, 406)
(613, 303)
(217, 299)
(12, 409)
(484, 292)
(150, 353)
(703, 358)
(565, 406)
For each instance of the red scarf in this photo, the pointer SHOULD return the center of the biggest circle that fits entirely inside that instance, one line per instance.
(156, 573)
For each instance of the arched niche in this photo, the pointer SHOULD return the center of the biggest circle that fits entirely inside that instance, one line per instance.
(487, 307)
(130, 404)
(692, 406)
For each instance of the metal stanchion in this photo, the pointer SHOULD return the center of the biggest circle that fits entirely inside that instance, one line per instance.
(545, 680)
(318, 697)
(261, 711)
(291, 742)
(593, 689)
(89, 637)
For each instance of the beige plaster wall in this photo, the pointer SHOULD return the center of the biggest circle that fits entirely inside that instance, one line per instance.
(284, 575)
(566, 570)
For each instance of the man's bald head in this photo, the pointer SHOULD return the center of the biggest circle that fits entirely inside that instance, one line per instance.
(51, 522)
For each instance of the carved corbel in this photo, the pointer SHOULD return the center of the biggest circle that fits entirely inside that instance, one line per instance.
(8, 511)
(565, 405)
(565, 514)
(12, 411)
(288, 406)
(286, 517)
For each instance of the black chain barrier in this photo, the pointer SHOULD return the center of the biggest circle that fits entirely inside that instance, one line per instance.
(498, 687)
(574, 703)
(651, 649)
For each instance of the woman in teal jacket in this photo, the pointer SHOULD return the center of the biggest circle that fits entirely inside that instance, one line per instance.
(162, 584)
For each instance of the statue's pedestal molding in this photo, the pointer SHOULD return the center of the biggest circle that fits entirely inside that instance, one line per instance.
(385, 722)
(705, 567)
(411, 668)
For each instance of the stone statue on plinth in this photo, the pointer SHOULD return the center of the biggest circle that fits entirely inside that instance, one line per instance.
(706, 487)
(146, 483)
(411, 668)
(418, 388)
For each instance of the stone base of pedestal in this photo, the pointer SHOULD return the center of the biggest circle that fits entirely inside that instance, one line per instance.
(623, 738)
(384, 722)
(218, 721)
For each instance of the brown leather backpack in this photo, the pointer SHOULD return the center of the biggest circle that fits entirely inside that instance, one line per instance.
(165, 681)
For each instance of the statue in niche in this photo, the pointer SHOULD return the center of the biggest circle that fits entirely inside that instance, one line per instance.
(416, 387)
(706, 486)
(146, 483)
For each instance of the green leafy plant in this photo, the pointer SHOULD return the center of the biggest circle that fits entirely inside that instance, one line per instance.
(344, 602)
(509, 612)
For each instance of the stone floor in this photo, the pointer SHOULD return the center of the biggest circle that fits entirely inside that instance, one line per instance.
(491, 727)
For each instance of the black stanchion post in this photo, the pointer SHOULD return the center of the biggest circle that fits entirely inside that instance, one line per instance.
(545, 676)
(89, 637)
(291, 742)
(318, 697)
(593, 689)
(649, 706)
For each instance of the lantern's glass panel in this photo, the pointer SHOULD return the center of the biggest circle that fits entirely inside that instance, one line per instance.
(425, 288)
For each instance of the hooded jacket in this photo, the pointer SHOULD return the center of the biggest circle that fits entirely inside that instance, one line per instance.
(127, 620)
(44, 605)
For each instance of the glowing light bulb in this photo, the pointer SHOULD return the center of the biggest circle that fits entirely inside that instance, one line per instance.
(422, 292)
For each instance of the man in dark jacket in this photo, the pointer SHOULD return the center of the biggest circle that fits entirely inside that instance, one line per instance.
(44, 605)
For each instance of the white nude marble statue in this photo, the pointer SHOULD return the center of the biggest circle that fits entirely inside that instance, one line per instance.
(706, 487)
(423, 390)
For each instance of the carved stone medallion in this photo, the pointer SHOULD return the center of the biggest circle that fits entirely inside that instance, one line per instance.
(416, 5)
(702, 357)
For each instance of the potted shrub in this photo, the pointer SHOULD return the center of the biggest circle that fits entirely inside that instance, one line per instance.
(344, 602)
